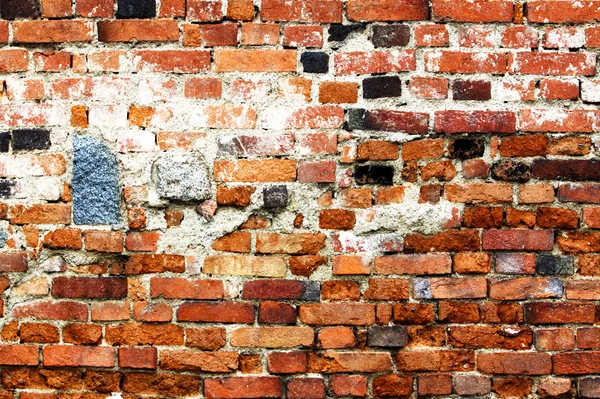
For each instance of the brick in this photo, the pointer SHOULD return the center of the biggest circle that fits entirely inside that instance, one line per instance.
(204, 10)
(187, 360)
(287, 362)
(465, 62)
(138, 358)
(467, 384)
(255, 171)
(302, 11)
(336, 338)
(13, 9)
(78, 356)
(19, 355)
(525, 287)
(434, 384)
(39, 333)
(413, 264)
(559, 313)
(345, 362)
(367, 62)
(560, 64)
(435, 360)
(543, 11)
(181, 288)
(243, 387)
(386, 10)
(226, 312)
(303, 36)
(255, 34)
(144, 31)
(180, 61)
(333, 314)
(518, 240)
(255, 60)
(53, 31)
(450, 288)
(84, 287)
(41, 214)
(348, 385)
(475, 122)
(479, 11)
(272, 337)
(578, 242)
(514, 363)
(205, 338)
(95, 8)
(244, 266)
(13, 262)
(171, 384)
(576, 362)
(448, 241)
(103, 241)
(555, 339)
(82, 334)
(489, 337)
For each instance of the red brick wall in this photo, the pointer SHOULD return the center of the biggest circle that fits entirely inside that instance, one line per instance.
(299, 198)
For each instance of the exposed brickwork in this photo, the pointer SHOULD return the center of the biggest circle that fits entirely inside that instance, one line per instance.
(299, 199)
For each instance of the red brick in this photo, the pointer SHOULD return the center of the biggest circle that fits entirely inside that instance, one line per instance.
(138, 358)
(78, 356)
(327, 11)
(367, 62)
(386, 10)
(225, 312)
(138, 30)
(255, 60)
(514, 363)
(243, 387)
(287, 362)
(570, 64)
(19, 355)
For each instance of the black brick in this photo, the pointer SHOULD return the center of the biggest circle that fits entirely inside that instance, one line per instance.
(315, 62)
(390, 35)
(374, 174)
(389, 337)
(478, 90)
(275, 196)
(552, 265)
(4, 141)
(30, 139)
(466, 148)
(382, 86)
(13, 9)
(509, 170)
(339, 32)
(566, 169)
(136, 9)
(6, 188)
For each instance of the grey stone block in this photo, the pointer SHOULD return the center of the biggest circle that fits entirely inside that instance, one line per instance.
(181, 177)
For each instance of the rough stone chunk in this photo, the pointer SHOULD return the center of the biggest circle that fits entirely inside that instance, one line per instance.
(181, 177)
(96, 194)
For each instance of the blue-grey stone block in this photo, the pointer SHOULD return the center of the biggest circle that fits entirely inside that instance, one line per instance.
(2, 238)
(275, 196)
(96, 194)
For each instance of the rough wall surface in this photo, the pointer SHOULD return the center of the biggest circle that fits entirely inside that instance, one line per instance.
(299, 198)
